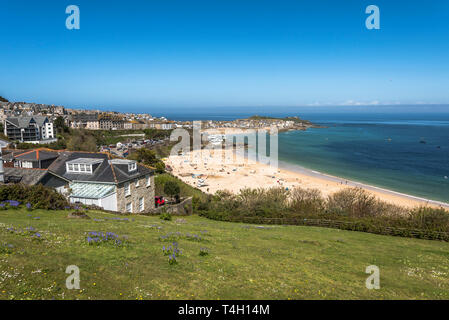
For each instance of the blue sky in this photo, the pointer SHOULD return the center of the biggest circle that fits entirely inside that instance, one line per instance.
(178, 53)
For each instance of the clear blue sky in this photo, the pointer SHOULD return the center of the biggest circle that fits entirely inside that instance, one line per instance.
(224, 53)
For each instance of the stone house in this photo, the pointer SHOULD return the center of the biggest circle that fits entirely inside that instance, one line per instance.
(95, 179)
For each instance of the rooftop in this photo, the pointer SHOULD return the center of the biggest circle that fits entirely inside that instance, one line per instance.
(27, 176)
(31, 155)
(107, 171)
(24, 122)
(86, 161)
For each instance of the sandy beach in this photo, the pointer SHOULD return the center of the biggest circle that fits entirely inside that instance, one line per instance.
(216, 172)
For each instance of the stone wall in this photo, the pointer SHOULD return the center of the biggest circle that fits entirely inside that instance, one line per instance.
(142, 191)
(184, 208)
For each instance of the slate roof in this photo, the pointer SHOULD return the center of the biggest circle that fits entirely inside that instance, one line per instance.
(24, 122)
(83, 117)
(30, 155)
(105, 172)
(29, 176)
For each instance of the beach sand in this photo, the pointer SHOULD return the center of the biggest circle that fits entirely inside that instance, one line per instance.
(220, 173)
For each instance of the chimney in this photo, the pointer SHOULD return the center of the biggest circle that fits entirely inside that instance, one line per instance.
(2, 171)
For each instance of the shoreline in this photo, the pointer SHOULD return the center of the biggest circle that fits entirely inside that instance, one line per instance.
(352, 183)
(241, 173)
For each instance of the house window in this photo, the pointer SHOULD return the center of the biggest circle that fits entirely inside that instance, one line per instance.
(88, 168)
(76, 167)
(141, 204)
(132, 166)
(129, 207)
(127, 189)
(148, 181)
(70, 167)
(82, 168)
(27, 164)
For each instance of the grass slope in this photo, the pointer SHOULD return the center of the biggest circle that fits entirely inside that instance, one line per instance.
(244, 262)
(185, 189)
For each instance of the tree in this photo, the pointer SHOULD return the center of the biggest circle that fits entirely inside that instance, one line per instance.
(60, 124)
(145, 156)
(171, 188)
(80, 140)
(160, 167)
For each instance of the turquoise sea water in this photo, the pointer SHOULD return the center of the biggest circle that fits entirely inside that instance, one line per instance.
(404, 155)
(405, 149)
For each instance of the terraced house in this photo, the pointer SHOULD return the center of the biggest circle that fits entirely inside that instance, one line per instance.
(95, 179)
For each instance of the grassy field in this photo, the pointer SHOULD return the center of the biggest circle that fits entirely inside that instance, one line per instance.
(244, 261)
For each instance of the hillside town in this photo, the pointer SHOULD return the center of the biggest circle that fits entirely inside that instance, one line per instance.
(19, 116)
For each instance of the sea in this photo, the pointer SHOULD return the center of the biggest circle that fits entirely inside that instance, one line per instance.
(404, 149)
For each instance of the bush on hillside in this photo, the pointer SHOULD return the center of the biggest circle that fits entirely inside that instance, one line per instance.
(356, 202)
(171, 188)
(430, 218)
(309, 201)
(38, 196)
(349, 209)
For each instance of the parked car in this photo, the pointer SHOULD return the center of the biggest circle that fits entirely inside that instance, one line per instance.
(159, 201)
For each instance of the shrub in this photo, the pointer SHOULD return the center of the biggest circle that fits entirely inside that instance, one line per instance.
(200, 203)
(262, 202)
(349, 209)
(166, 216)
(160, 167)
(171, 188)
(307, 201)
(38, 196)
(430, 218)
(354, 202)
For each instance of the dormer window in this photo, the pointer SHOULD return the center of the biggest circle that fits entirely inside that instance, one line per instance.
(82, 165)
(132, 166)
(124, 165)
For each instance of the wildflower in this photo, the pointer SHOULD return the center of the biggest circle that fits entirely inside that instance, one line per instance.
(12, 203)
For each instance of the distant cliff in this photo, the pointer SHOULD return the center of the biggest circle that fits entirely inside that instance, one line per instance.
(3, 99)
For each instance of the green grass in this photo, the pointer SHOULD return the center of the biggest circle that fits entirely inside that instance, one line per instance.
(244, 262)
(186, 190)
